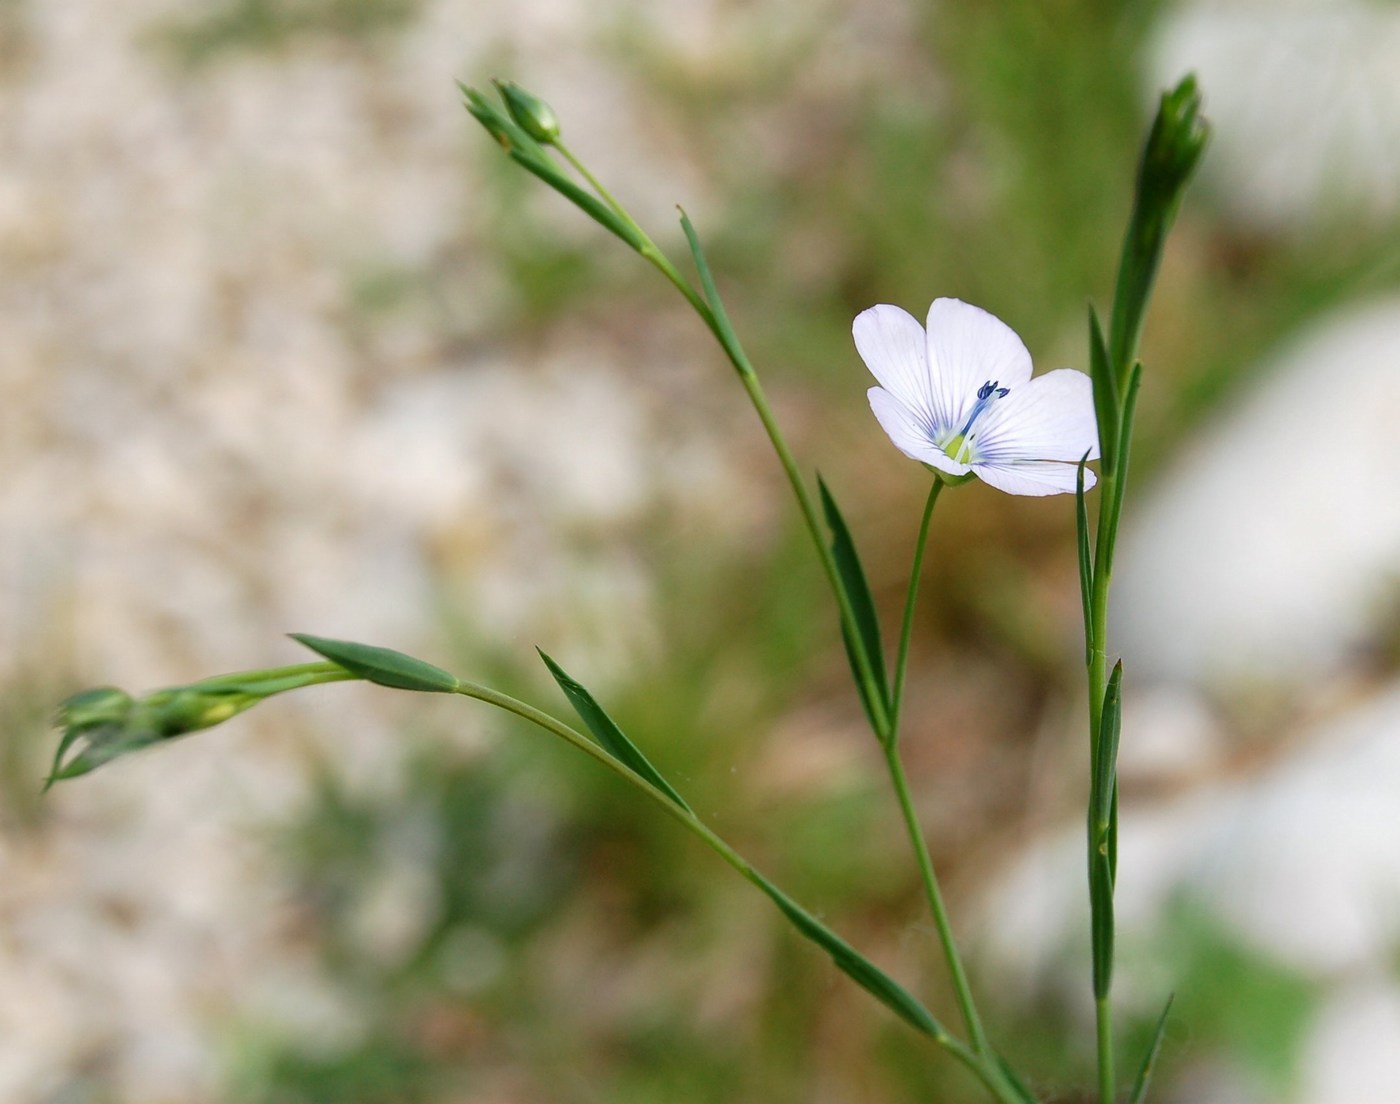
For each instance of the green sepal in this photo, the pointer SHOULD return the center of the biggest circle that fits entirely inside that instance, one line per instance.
(876, 698)
(533, 115)
(508, 133)
(1149, 1060)
(112, 724)
(607, 733)
(855, 965)
(382, 666)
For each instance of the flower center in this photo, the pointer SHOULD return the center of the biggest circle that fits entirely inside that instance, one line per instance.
(959, 446)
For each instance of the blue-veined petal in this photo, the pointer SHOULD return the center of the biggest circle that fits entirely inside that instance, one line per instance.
(909, 434)
(892, 344)
(1048, 418)
(967, 347)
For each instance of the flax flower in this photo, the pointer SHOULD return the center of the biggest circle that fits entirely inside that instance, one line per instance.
(959, 398)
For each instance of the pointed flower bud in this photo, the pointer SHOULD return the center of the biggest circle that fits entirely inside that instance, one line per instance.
(535, 117)
(107, 723)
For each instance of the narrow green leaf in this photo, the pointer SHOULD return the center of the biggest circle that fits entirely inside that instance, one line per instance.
(855, 965)
(1102, 815)
(1149, 1060)
(1101, 922)
(381, 665)
(606, 731)
(724, 330)
(867, 624)
(1086, 561)
(1106, 750)
(1106, 398)
(1125, 443)
(589, 204)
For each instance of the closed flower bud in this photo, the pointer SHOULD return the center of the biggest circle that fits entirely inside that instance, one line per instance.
(535, 117)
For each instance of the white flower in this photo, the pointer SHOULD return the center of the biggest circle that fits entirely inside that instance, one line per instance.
(960, 399)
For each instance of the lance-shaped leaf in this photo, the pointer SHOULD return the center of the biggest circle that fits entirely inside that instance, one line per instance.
(717, 318)
(1125, 442)
(855, 965)
(1086, 560)
(606, 731)
(1102, 815)
(381, 665)
(1107, 408)
(873, 686)
(1149, 1060)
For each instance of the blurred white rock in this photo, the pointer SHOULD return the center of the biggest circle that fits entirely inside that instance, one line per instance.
(1269, 551)
(1304, 96)
(1301, 862)
(1351, 1055)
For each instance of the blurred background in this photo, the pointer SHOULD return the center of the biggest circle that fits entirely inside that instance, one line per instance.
(290, 346)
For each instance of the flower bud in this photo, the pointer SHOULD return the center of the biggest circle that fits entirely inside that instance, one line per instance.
(535, 117)
(104, 705)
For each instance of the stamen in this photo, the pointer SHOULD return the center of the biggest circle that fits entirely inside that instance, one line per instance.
(986, 394)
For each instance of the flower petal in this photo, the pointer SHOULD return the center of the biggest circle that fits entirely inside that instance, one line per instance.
(1049, 418)
(891, 342)
(1033, 477)
(908, 435)
(966, 348)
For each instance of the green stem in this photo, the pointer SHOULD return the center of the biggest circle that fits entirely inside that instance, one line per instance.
(977, 1059)
(1098, 680)
(901, 788)
(941, 922)
(1103, 1015)
(711, 310)
(907, 627)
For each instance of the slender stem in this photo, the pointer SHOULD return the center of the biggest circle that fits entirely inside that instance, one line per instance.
(901, 787)
(907, 627)
(1098, 675)
(976, 1058)
(935, 902)
(593, 182)
(1103, 1015)
(711, 311)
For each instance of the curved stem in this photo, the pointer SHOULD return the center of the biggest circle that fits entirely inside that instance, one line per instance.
(711, 310)
(901, 787)
(977, 1058)
(907, 627)
(944, 926)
